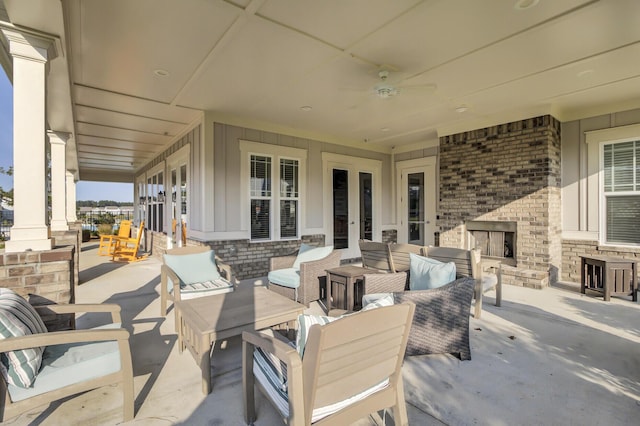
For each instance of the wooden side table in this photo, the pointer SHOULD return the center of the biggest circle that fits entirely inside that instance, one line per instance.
(609, 275)
(346, 276)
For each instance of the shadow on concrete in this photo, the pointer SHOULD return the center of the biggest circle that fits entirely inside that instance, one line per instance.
(554, 369)
(98, 270)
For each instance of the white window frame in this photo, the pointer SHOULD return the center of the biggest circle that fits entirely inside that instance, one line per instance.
(596, 140)
(160, 168)
(276, 153)
(605, 194)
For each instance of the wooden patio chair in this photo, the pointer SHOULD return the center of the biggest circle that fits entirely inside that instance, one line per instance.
(299, 276)
(49, 366)
(108, 242)
(126, 249)
(190, 272)
(375, 255)
(349, 368)
(469, 264)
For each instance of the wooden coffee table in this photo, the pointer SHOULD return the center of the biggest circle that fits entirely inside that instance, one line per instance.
(204, 320)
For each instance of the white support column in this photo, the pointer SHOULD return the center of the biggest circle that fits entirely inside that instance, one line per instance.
(30, 54)
(58, 142)
(71, 197)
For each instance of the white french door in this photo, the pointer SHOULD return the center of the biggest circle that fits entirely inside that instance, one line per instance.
(177, 198)
(416, 201)
(352, 202)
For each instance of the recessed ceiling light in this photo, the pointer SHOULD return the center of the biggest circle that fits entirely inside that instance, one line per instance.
(306, 108)
(585, 73)
(462, 108)
(161, 73)
(385, 129)
(525, 4)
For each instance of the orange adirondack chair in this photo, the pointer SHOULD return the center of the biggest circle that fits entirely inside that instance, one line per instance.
(108, 242)
(126, 249)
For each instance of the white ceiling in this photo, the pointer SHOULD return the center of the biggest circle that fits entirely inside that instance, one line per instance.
(256, 63)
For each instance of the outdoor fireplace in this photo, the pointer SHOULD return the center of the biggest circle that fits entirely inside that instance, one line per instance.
(494, 239)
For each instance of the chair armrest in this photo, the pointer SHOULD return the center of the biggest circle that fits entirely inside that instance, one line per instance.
(384, 283)
(82, 307)
(310, 272)
(281, 262)
(272, 345)
(225, 270)
(285, 353)
(62, 337)
(318, 268)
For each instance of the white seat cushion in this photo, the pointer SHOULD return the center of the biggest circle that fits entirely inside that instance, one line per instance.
(205, 288)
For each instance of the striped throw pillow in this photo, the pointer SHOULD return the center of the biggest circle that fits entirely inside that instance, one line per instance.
(305, 322)
(19, 318)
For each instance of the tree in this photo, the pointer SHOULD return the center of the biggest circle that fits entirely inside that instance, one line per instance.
(6, 195)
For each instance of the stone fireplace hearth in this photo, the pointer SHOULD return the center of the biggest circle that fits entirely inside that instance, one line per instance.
(501, 180)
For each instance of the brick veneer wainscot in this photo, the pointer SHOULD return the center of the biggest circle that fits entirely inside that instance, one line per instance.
(247, 259)
(509, 172)
(42, 277)
(573, 249)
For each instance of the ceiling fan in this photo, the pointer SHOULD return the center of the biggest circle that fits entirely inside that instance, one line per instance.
(386, 89)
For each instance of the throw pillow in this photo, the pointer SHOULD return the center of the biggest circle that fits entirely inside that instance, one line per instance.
(311, 254)
(305, 322)
(426, 273)
(376, 300)
(194, 268)
(19, 318)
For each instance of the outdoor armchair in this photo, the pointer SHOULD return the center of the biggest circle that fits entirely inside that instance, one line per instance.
(400, 256)
(337, 373)
(298, 276)
(192, 271)
(48, 366)
(469, 264)
(441, 319)
(375, 255)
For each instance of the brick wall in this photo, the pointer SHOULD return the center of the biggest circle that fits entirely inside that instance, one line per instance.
(509, 172)
(72, 237)
(42, 277)
(390, 236)
(573, 249)
(247, 259)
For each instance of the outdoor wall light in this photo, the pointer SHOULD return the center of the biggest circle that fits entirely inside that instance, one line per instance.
(161, 197)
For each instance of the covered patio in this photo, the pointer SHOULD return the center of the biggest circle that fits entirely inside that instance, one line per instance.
(549, 356)
(252, 126)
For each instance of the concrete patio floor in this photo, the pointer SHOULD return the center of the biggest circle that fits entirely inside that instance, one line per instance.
(546, 357)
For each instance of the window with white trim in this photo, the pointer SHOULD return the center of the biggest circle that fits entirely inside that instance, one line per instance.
(621, 189)
(275, 211)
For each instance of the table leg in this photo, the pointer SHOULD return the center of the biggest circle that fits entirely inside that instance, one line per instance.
(349, 285)
(608, 278)
(582, 276)
(328, 293)
(205, 364)
(634, 282)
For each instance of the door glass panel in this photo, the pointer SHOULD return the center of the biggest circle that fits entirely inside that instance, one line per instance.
(174, 206)
(161, 193)
(183, 192)
(415, 198)
(340, 209)
(366, 206)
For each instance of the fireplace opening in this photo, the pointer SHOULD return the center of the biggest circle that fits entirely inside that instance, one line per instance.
(494, 240)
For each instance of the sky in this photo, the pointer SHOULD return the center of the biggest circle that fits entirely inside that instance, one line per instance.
(85, 190)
